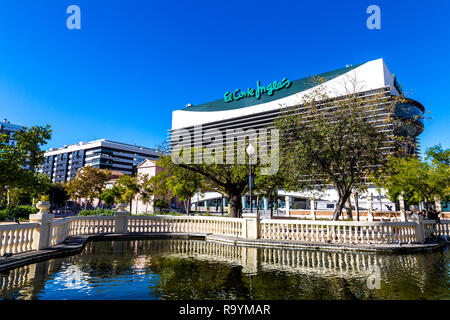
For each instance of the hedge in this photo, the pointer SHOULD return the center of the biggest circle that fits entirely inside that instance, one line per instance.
(97, 212)
(19, 212)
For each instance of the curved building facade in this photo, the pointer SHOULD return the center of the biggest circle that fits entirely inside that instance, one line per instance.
(256, 108)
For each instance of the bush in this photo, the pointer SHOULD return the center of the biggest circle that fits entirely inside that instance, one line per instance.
(163, 213)
(97, 212)
(160, 204)
(19, 212)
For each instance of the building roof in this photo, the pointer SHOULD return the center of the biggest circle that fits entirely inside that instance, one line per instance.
(296, 87)
(147, 162)
(102, 142)
(365, 77)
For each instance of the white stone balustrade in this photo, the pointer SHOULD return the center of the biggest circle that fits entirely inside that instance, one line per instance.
(339, 231)
(17, 238)
(186, 224)
(60, 231)
(431, 227)
(44, 231)
(81, 225)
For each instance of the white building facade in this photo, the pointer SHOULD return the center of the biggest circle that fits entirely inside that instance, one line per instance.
(258, 108)
(62, 164)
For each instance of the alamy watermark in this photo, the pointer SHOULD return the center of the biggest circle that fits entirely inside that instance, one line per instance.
(374, 20)
(215, 146)
(74, 20)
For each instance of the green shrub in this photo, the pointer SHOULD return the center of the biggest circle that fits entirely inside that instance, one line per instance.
(168, 213)
(19, 212)
(97, 212)
(160, 204)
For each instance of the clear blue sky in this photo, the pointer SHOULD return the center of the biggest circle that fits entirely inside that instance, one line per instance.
(134, 62)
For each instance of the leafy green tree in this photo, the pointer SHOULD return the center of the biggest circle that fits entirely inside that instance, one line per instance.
(437, 155)
(333, 141)
(418, 180)
(160, 203)
(181, 182)
(129, 187)
(38, 185)
(58, 194)
(158, 187)
(229, 179)
(89, 183)
(18, 163)
(268, 186)
(147, 189)
(109, 196)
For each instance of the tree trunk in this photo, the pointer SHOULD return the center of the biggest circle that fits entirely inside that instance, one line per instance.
(340, 205)
(137, 199)
(426, 203)
(349, 209)
(271, 206)
(2, 194)
(235, 206)
(257, 204)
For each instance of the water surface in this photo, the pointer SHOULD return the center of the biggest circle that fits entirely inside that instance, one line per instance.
(195, 269)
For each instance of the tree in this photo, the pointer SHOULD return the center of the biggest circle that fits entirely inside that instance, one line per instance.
(129, 188)
(147, 189)
(58, 194)
(33, 186)
(228, 179)
(268, 185)
(417, 180)
(18, 162)
(181, 182)
(333, 141)
(109, 196)
(89, 183)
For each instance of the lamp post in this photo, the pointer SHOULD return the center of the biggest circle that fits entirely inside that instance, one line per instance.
(250, 151)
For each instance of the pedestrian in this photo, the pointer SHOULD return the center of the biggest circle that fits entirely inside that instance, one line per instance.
(436, 216)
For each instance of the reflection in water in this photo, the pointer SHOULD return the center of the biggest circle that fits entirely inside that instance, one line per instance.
(194, 269)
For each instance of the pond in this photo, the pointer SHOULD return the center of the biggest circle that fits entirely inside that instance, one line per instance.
(195, 269)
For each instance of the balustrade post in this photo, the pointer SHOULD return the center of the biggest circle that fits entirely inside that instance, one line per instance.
(252, 228)
(42, 235)
(313, 209)
(288, 205)
(121, 216)
(244, 228)
(420, 229)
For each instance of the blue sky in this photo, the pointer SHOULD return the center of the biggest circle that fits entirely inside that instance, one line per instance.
(134, 62)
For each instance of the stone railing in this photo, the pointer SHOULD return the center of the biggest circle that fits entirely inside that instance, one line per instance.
(60, 230)
(431, 227)
(339, 231)
(443, 228)
(186, 224)
(17, 238)
(44, 231)
(80, 225)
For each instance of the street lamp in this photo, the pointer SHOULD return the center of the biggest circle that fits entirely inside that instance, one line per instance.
(250, 151)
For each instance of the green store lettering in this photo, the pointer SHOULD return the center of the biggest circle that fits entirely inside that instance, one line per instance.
(258, 92)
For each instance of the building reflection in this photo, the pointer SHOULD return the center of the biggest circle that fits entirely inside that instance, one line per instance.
(101, 260)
